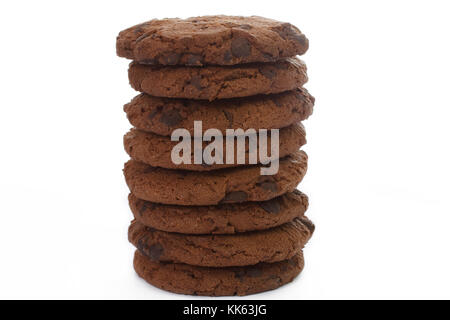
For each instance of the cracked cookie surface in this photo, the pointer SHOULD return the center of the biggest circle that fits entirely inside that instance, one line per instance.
(229, 281)
(230, 185)
(220, 219)
(156, 150)
(240, 249)
(220, 40)
(218, 82)
(163, 115)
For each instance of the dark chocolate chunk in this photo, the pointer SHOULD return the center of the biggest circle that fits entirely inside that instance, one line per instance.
(196, 82)
(268, 73)
(235, 196)
(271, 206)
(171, 118)
(254, 272)
(147, 206)
(155, 112)
(268, 185)
(155, 251)
(240, 47)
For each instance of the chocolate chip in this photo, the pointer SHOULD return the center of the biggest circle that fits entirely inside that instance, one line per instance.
(196, 82)
(284, 31)
(171, 118)
(170, 58)
(143, 209)
(229, 117)
(254, 272)
(271, 206)
(141, 245)
(155, 251)
(268, 185)
(268, 73)
(287, 31)
(194, 60)
(240, 47)
(292, 262)
(235, 196)
(154, 112)
(147, 206)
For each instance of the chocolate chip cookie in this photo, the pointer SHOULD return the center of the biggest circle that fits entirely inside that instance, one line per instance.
(207, 281)
(220, 219)
(229, 185)
(218, 82)
(156, 150)
(163, 115)
(219, 40)
(240, 249)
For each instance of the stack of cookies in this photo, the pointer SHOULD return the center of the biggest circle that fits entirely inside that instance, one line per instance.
(206, 228)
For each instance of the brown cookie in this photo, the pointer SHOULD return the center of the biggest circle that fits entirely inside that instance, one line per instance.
(207, 281)
(218, 82)
(220, 40)
(220, 219)
(163, 115)
(156, 150)
(240, 249)
(229, 185)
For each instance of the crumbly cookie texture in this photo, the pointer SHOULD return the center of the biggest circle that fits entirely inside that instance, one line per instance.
(156, 150)
(218, 82)
(241, 249)
(230, 281)
(220, 219)
(229, 185)
(219, 40)
(163, 115)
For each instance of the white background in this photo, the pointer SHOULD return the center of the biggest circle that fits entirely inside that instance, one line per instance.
(378, 177)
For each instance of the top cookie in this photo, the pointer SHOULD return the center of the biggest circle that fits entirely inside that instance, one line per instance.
(219, 40)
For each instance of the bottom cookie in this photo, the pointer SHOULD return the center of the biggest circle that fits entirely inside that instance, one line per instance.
(207, 281)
